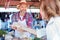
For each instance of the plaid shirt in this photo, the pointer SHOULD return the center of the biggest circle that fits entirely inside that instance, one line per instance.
(27, 16)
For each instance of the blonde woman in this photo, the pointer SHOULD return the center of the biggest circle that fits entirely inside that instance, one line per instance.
(50, 11)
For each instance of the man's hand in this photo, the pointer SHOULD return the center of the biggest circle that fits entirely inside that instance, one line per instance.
(17, 26)
(13, 27)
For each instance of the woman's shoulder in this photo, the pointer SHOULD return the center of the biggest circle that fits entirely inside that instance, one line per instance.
(54, 20)
(57, 20)
(51, 21)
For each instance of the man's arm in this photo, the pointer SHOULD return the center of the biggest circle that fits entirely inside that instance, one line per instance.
(22, 27)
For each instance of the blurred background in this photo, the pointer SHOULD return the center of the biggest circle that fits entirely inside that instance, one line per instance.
(8, 8)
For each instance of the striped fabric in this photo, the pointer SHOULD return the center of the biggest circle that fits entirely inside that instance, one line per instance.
(27, 16)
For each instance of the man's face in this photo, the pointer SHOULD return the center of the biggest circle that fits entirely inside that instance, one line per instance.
(23, 8)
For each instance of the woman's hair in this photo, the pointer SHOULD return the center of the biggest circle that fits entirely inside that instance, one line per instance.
(50, 7)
